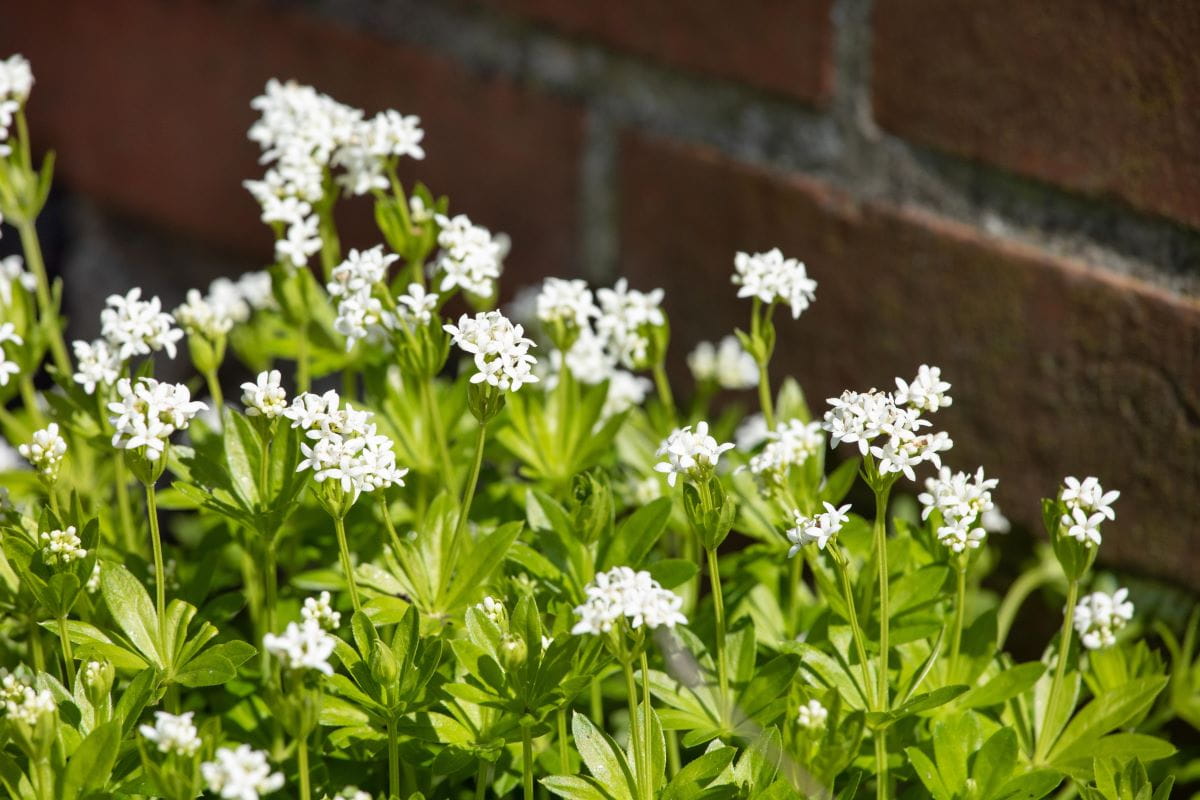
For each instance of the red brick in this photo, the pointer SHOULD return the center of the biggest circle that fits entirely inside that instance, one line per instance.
(1101, 98)
(147, 105)
(1058, 368)
(782, 46)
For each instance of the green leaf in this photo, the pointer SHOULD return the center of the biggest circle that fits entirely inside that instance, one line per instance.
(1032, 785)
(672, 572)
(928, 774)
(92, 762)
(1105, 713)
(994, 762)
(635, 536)
(132, 610)
(1008, 684)
(603, 758)
(574, 787)
(243, 457)
(479, 563)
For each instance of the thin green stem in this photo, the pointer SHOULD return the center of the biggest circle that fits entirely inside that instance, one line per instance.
(29, 400)
(634, 733)
(270, 585)
(881, 766)
(839, 561)
(303, 378)
(302, 767)
(665, 396)
(527, 761)
(160, 577)
(468, 495)
(47, 312)
(960, 604)
(795, 576)
(596, 700)
(434, 416)
(339, 524)
(564, 745)
(483, 777)
(35, 646)
(68, 656)
(1045, 739)
(764, 396)
(121, 478)
(714, 579)
(393, 760)
(647, 731)
(214, 391)
(672, 754)
(881, 504)
(762, 358)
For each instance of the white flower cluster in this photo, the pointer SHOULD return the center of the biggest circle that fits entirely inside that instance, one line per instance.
(62, 547)
(726, 364)
(265, 396)
(16, 82)
(691, 453)
(625, 314)
(241, 774)
(319, 610)
(471, 257)
(963, 502)
(147, 412)
(135, 327)
(302, 134)
(569, 302)
(346, 446)
(894, 420)
(361, 314)
(500, 348)
(774, 279)
(493, 609)
(173, 734)
(791, 444)
(227, 303)
(812, 716)
(24, 703)
(302, 646)
(819, 528)
(634, 596)
(1100, 615)
(13, 273)
(1088, 505)
(46, 451)
(8, 335)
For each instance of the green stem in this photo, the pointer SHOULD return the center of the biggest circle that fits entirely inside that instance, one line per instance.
(302, 767)
(393, 760)
(527, 761)
(795, 576)
(634, 733)
(29, 400)
(596, 698)
(160, 578)
(214, 391)
(839, 561)
(35, 646)
(1060, 672)
(434, 415)
(960, 603)
(468, 495)
(68, 656)
(121, 478)
(339, 524)
(881, 504)
(37, 265)
(672, 754)
(303, 380)
(665, 397)
(714, 579)
(270, 585)
(764, 396)
(564, 750)
(881, 765)
(647, 730)
(482, 779)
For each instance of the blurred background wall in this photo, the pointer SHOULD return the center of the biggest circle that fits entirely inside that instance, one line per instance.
(1010, 190)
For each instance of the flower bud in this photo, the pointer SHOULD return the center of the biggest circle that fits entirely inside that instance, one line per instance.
(383, 664)
(98, 679)
(513, 652)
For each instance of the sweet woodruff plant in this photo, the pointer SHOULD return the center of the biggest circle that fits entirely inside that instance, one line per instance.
(440, 549)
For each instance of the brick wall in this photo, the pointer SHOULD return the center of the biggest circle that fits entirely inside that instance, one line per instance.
(1007, 190)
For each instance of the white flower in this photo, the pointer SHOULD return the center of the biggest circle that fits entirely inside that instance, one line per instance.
(417, 305)
(23, 703)
(303, 646)
(727, 364)
(926, 392)
(1089, 496)
(200, 317)
(346, 446)
(1083, 527)
(147, 412)
(567, 301)
(471, 257)
(820, 528)
(625, 317)
(300, 242)
(16, 78)
(136, 327)
(361, 316)
(13, 272)
(96, 364)
(812, 716)
(774, 279)
(961, 534)
(360, 271)
(621, 593)
(62, 547)
(320, 610)
(589, 359)
(493, 609)
(791, 444)
(625, 391)
(862, 418)
(963, 504)
(92, 671)
(255, 289)
(418, 212)
(264, 397)
(46, 451)
(751, 433)
(1100, 615)
(8, 334)
(500, 348)
(241, 774)
(93, 581)
(174, 734)
(691, 453)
